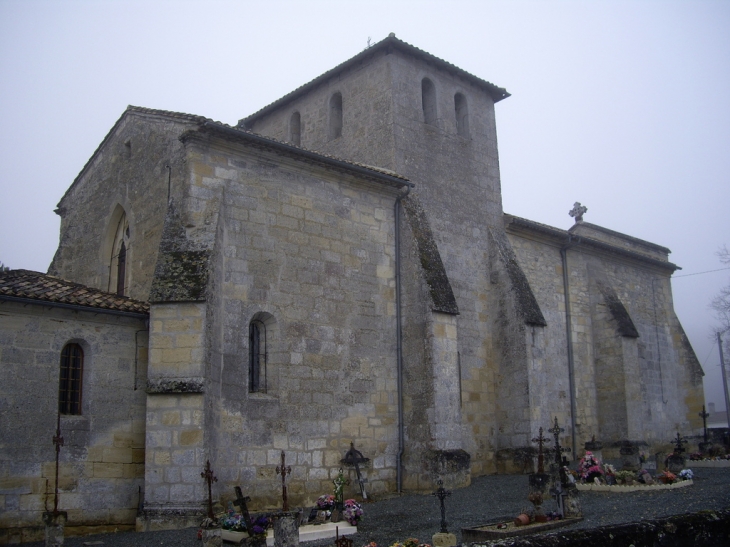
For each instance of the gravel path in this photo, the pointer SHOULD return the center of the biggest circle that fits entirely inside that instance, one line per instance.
(488, 499)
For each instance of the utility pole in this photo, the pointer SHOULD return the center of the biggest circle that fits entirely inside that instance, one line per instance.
(724, 379)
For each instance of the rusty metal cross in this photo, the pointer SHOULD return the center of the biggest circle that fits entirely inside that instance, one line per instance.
(442, 494)
(58, 441)
(678, 443)
(283, 470)
(540, 440)
(207, 474)
(241, 501)
(556, 430)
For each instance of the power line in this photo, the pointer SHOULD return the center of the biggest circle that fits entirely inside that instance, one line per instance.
(700, 273)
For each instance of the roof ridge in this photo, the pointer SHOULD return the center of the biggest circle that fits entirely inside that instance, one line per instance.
(498, 93)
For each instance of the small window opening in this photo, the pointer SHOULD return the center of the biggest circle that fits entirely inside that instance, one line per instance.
(120, 249)
(69, 384)
(295, 129)
(335, 129)
(428, 98)
(462, 115)
(257, 357)
(121, 269)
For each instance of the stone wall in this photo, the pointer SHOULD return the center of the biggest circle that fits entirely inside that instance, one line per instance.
(128, 171)
(310, 253)
(629, 367)
(101, 466)
(457, 185)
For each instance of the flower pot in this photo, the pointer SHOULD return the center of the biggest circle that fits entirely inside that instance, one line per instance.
(522, 519)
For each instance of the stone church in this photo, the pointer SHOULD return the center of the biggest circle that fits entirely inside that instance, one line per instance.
(336, 268)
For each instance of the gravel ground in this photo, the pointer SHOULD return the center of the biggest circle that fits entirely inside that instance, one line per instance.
(488, 499)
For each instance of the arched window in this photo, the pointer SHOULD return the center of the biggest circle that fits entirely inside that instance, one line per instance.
(428, 98)
(295, 129)
(335, 116)
(462, 115)
(118, 274)
(121, 268)
(256, 356)
(69, 383)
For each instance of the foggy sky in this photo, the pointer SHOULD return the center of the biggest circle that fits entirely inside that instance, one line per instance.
(623, 106)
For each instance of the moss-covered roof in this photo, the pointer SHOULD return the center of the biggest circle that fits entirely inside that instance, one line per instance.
(38, 287)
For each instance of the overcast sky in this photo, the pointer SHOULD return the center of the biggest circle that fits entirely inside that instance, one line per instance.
(623, 106)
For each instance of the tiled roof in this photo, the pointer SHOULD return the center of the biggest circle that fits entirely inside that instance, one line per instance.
(562, 236)
(29, 285)
(243, 133)
(310, 155)
(387, 44)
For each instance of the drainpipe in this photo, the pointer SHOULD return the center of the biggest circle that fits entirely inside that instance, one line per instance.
(399, 345)
(569, 336)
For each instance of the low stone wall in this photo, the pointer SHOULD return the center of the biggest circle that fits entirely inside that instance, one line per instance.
(703, 529)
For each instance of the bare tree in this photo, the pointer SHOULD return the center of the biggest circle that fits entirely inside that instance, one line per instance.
(721, 302)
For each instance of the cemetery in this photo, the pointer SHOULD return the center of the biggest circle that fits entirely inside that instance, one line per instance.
(556, 495)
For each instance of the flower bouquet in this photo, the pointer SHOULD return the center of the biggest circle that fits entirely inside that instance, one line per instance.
(326, 503)
(667, 477)
(353, 512)
(686, 475)
(589, 468)
(625, 477)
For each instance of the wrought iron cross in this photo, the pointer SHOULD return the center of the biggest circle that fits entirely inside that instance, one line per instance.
(207, 474)
(283, 470)
(442, 494)
(539, 440)
(578, 211)
(704, 415)
(355, 457)
(58, 441)
(556, 430)
(679, 442)
(241, 501)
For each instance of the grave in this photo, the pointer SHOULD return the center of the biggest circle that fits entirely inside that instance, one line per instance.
(505, 527)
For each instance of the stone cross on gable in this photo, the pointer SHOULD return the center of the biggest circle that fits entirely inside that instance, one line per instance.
(578, 211)
(283, 470)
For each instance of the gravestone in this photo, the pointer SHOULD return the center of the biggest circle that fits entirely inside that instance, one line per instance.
(54, 521)
(286, 529)
(629, 456)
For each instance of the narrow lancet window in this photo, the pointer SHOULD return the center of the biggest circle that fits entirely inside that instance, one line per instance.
(121, 269)
(295, 129)
(462, 115)
(335, 111)
(256, 357)
(428, 98)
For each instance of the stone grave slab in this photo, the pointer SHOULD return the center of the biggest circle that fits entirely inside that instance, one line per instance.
(494, 529)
